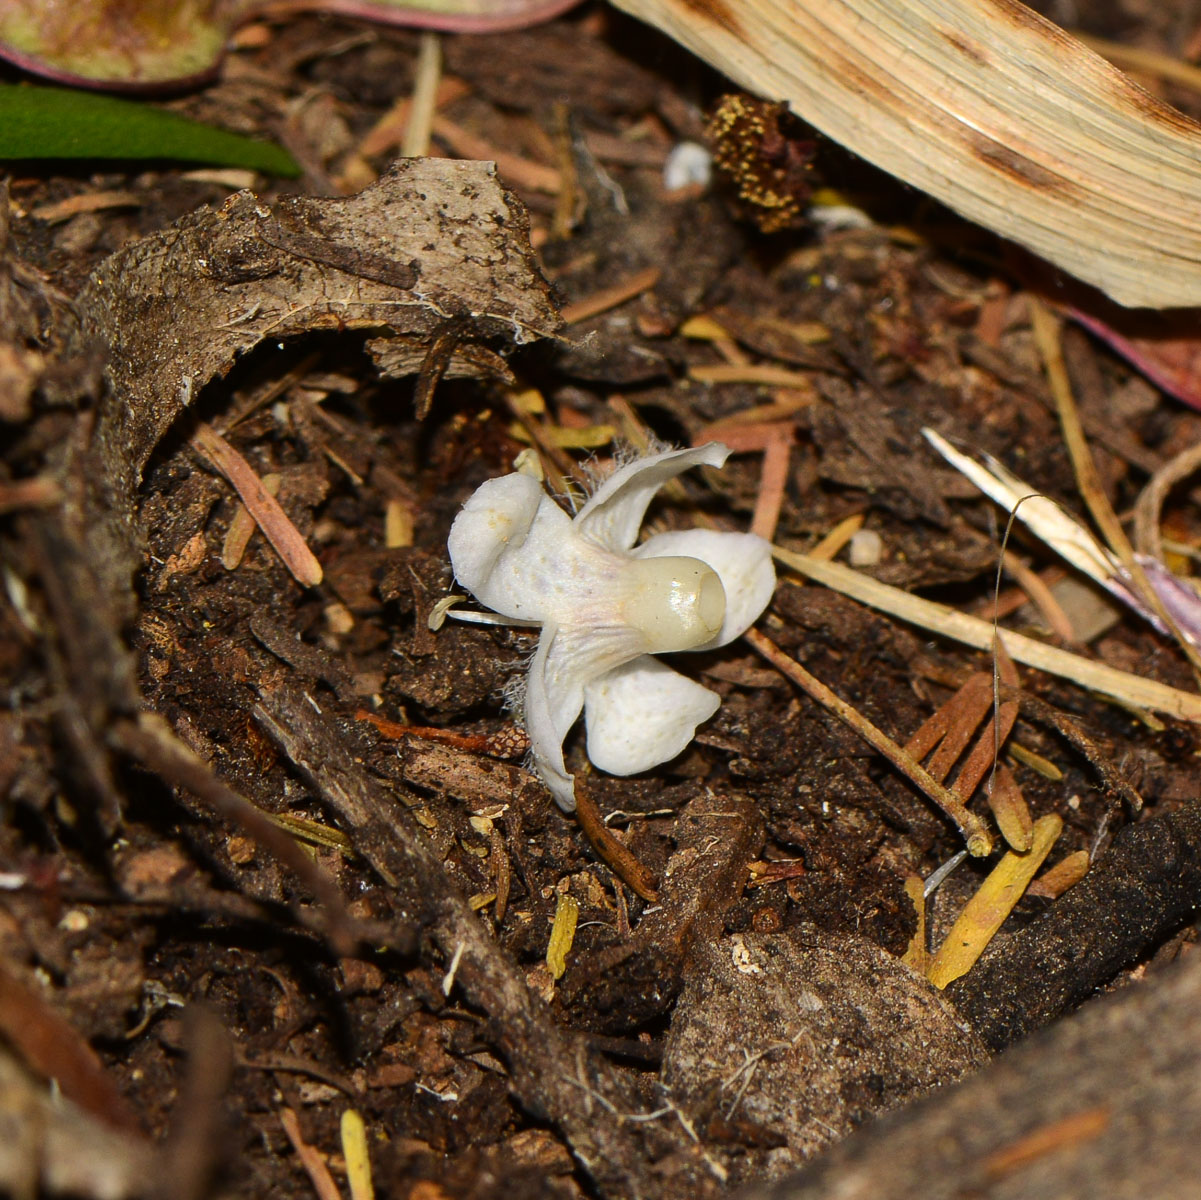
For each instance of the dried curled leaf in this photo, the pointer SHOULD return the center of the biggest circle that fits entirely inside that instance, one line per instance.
(988, 106)
(432, 242)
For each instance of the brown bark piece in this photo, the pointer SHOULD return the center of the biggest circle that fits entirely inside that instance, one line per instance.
(622, 987)
(1150, 878)
(784, 1042)
(432, 241)
(1106, 1103)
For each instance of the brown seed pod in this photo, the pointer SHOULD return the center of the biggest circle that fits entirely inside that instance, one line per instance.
(762, 150)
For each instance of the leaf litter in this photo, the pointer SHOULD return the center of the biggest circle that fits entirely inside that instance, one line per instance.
(369, 919)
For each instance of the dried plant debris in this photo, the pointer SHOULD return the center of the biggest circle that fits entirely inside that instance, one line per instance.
(146, 44)
(994, 110)
(432, 243)
(50, 1146)
(285, 797)
(762, 150)
(1150, 876)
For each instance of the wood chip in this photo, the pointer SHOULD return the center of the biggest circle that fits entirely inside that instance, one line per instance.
(276, 525)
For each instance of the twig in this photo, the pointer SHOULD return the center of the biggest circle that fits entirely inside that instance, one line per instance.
(194, 1147)
(978, 839)
(612, 851)
(272, 520)
(152, 743)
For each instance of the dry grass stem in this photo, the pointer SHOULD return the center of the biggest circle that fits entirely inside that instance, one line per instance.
(427, 75)
(386, 134)
(1128, 689)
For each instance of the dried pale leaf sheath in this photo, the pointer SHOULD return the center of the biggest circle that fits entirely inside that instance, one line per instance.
(986, 911)
(989, 107)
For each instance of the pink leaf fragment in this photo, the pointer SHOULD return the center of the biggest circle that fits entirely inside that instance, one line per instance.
(1170, 360)
(132, 45)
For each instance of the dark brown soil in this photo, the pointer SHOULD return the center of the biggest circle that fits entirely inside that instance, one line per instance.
(135, 892)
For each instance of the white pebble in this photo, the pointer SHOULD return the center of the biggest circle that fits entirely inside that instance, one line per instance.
(688, 165)
(867, 548)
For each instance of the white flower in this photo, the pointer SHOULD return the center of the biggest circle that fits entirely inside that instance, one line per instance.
(606, 605)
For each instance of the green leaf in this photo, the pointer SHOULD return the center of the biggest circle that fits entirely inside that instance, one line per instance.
(43, 122)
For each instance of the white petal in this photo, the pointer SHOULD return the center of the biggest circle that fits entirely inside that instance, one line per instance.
(613, 515)
(567, 660)
(498, 545)
(643, 714)
(742, 562)
(552, 704)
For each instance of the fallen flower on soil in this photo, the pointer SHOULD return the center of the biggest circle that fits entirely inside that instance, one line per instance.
(607, 606)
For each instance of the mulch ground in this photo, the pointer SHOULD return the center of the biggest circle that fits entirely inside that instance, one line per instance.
(140, 884)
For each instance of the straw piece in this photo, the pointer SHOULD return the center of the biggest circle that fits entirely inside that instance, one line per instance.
(986, 911)
(1132, 690)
